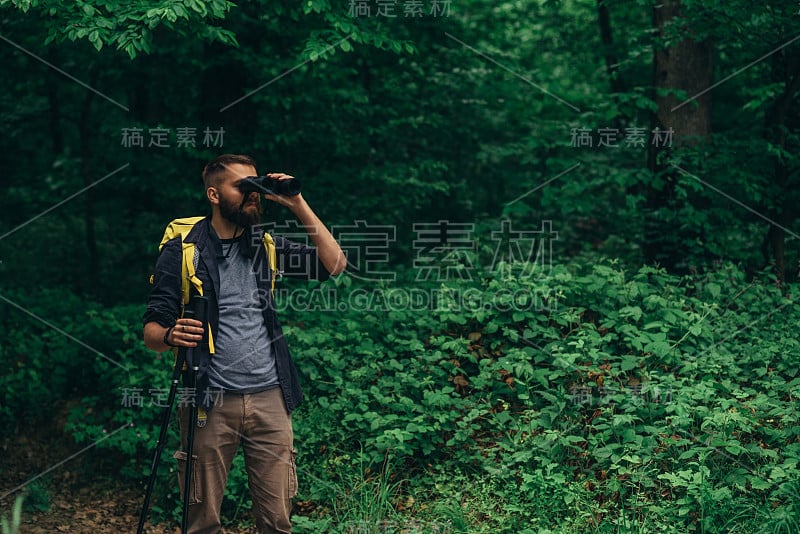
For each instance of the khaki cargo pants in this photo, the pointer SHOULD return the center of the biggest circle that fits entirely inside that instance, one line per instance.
(259, 423)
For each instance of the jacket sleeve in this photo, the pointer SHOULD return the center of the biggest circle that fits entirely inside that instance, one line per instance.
(299, 261)
(165, 299)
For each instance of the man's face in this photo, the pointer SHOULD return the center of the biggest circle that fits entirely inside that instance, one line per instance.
(230, 198)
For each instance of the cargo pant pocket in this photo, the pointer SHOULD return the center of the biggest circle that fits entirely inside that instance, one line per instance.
(293, 474)
(194, 490)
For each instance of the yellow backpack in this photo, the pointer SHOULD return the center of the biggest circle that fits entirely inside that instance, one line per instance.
(182, 227)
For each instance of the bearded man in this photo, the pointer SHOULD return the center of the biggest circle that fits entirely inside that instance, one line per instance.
(248, 388)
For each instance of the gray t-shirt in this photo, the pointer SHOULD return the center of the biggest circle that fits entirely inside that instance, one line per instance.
(244, 360)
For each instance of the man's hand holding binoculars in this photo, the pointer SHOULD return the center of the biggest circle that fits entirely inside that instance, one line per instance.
(287, 196)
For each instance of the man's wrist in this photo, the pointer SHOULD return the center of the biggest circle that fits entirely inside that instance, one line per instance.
(166, 336)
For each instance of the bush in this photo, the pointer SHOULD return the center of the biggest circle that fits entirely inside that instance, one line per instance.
(628, 386)
(585, 399)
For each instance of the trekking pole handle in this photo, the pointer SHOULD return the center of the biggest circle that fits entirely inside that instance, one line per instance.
(201, 312)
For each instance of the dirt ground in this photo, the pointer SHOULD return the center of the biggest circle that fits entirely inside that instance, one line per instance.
(82, 496)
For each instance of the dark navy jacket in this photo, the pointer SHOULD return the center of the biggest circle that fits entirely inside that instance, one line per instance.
(294, 260)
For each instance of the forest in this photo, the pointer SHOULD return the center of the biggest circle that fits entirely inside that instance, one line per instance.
(572, 231)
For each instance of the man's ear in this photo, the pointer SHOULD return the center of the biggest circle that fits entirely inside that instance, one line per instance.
(213, 195)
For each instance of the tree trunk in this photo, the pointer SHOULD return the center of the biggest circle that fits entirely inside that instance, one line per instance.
(88, 175)
(55, 109)
(775, 133)
(606, 36)
(686, 66)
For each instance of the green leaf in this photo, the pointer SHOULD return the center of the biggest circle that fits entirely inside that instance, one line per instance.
(714, 289)
(629, 362)
(759, 483)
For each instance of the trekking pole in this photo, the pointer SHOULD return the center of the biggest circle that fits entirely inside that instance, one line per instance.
(201, 311)
(167, 412)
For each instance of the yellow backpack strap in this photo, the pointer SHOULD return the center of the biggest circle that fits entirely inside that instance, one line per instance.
(189, 266)
(181, 228)
(269, 246)
(191, 257)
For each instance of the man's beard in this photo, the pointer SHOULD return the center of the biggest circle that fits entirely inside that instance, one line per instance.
(231, 212)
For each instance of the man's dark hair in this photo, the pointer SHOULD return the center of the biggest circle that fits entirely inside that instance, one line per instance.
(216, 168)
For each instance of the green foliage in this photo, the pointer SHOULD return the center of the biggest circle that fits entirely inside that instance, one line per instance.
(583, 399)
(45, 357)
(631, 387)
(129, 26)
(11, 525)
(37, 498)
(400, 110)
(364, 501)
(69, 362)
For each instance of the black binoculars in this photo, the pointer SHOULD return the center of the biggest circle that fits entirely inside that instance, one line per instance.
(272, 186)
